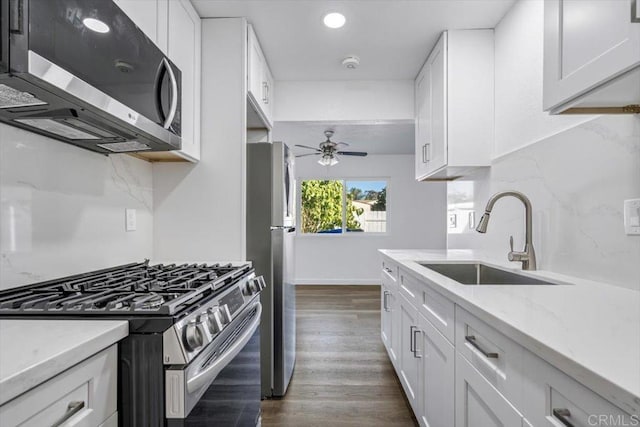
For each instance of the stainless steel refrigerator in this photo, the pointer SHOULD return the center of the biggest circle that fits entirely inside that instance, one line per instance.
(270, 241)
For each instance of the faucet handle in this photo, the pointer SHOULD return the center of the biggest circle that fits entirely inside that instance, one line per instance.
(514, 255)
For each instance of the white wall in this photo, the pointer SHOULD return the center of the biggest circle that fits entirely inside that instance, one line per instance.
(416, 219)
(352, 100)
(519, 118)
(62, 209)
(200, 209)
(577, 170)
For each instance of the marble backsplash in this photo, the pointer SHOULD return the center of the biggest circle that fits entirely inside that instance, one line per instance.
(577, 180)
(62, 209)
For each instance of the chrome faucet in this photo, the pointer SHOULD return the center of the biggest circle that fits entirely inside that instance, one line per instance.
(528, 256)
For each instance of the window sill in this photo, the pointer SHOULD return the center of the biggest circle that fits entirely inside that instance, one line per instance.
(341, 235)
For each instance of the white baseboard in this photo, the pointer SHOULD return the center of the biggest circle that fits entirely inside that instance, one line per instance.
(311, 282)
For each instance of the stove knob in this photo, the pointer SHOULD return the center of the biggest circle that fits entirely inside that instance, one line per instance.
(259, 281)
(226, 314)
(249, 288)
(214, 321)
(193, 337)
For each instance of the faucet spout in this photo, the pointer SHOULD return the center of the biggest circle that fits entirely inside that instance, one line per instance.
(527, 256)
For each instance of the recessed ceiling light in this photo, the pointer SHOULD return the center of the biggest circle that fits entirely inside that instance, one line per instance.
(95, 25)
(334, 20)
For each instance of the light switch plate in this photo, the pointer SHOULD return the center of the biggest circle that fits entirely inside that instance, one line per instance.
(632, 217)
(130, 222)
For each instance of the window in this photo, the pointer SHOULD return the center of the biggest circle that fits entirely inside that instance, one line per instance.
(338, 206)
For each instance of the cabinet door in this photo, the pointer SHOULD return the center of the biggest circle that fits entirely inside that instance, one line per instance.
(385, 316)
(437, 377)
(389, 308)
(435, 132)
(144, 13)
(394, 302)
(255, 68)
(409, 359)
(478, 403)
(268, 95)
(184, 39)
(586, 43)
(421, 119)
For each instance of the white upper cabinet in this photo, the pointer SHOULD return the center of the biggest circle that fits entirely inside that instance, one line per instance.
(259, 80)
(184, 40)
(145, 14)
(454, 95)
(591, 56)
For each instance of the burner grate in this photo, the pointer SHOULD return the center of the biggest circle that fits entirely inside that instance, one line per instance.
(132, 288)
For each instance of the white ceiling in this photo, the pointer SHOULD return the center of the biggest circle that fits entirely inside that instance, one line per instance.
(374, 138)
(391, 37)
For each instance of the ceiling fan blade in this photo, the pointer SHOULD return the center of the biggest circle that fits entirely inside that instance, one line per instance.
(353, 153)
(310, 148)
(305, 155)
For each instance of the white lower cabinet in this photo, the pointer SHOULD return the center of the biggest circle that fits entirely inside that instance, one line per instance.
(555, 399)
(472, 375)
(436, 376)
(389, 309)
(84, 395)
(478, 403)
(407, 355)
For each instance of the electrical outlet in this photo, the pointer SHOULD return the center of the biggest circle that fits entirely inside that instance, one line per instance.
(632, 217)
(130, 221)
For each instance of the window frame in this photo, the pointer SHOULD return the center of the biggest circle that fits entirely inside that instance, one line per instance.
(344, 233)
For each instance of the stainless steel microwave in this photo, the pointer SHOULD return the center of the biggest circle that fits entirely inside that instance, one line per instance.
(82, 72)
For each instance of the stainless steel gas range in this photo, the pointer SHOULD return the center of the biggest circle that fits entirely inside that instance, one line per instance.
(193, 353)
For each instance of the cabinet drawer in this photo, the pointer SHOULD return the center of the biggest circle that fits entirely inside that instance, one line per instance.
(497, 358)
(90, 386)
(390, 270)
(410, 287)
(478, 403)
(553, 396)
(112, 421)
(438, 310)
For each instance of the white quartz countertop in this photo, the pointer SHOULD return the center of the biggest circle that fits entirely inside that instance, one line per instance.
(33, 351)
(589, 330)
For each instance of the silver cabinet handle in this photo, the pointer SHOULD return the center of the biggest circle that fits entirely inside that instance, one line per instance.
(415, 344)
(427, 150)
(424, 155)
(385, 301)
(265, 88)
(72, 409)
(174, 94)
(561, 414)
(388, 270)
(268, 93)
(412, 344)
(471, 339)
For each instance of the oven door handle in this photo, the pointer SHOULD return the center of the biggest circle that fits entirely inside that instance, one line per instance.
(211, 372)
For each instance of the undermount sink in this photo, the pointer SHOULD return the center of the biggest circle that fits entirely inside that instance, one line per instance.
(481, 274)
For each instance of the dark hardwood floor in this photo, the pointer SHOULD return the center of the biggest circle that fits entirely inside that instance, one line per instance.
(343, 376)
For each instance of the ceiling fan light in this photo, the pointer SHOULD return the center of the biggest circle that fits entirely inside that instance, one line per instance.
(328, 160)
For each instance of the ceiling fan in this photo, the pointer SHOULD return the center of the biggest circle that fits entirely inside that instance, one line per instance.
(328, 150)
